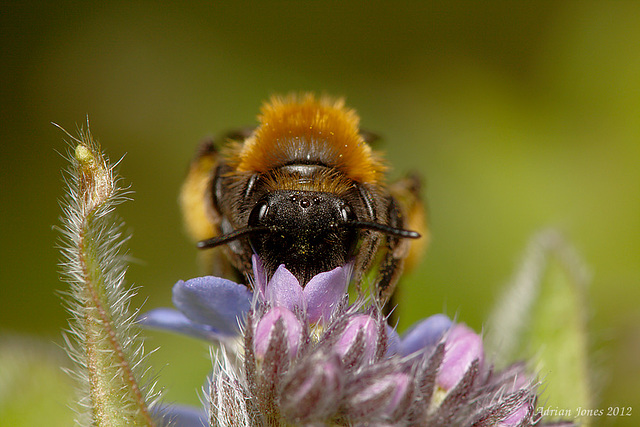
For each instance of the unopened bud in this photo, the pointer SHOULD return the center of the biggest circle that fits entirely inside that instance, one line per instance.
(275, 319)
(359, 339)
(462, 347)
(517, 416)
(384, 398)
(313, 391)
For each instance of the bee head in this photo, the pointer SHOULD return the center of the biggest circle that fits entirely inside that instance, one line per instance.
(305, 230)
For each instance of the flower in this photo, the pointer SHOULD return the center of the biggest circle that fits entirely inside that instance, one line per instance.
(518, 416)
(380, 394)
(308, 357)
(347, 366)
(313, 389)
(213, 308)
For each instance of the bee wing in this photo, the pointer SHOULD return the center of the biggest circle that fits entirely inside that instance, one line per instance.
(239, 134)
(369, 137)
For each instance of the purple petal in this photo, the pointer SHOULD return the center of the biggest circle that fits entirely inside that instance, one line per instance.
(324, 291)
(212, 301)
(424, 334)
(171, 320)
(284, 290)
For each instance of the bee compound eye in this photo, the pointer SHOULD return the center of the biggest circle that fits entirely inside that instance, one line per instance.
(263, 208)
(258, 213)
(345, 213)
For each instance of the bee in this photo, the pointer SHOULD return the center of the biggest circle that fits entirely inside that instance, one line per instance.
(304, 189)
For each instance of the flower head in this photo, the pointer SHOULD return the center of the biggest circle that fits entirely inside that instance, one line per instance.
(309, 357)
(347, 366)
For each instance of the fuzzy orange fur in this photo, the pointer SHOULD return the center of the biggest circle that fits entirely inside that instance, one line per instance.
(306, 128)
(325, 181)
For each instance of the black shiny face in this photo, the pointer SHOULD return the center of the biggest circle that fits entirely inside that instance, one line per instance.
(306, 230)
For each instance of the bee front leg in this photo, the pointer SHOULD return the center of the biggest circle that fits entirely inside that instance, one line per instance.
(394, 253)
(405, 210)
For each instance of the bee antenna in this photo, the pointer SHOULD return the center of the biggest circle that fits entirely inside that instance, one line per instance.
(384, 229)
(226, 238)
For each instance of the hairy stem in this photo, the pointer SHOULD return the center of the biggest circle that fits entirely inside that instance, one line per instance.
(104, 344)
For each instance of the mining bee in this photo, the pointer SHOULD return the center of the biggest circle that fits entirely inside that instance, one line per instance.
(304, 189)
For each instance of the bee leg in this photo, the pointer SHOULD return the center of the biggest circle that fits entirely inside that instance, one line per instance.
(405, 210)
(396, 250)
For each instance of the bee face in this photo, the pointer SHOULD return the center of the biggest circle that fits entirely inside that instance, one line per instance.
(303, 189)
(308, 231)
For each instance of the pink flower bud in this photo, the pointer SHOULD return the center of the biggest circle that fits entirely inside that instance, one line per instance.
(265, 335)
(348, 343)
(314, 391)
(516, 417)
(462, 347)
(383, 398)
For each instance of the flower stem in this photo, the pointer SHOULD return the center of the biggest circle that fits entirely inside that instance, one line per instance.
(106, 349)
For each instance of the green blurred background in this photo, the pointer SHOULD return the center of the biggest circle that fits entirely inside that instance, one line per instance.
(520, 115)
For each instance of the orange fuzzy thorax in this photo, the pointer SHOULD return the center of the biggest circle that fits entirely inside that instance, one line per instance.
(307, 129)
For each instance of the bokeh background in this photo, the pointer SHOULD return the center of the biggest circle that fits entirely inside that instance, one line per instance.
(520, 116)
